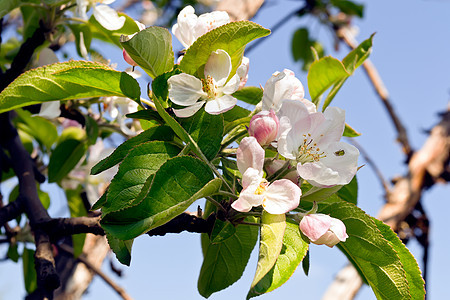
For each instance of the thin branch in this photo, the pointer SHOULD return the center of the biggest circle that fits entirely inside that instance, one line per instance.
(185, 222)
(11, 211)
(348, 38)
(59, 227)
(119, 290)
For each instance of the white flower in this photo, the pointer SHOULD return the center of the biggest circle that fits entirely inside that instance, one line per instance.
(284, 85)
(214, 90)
(118, 107)
(105, 15)
(323, 230)
(50, 109)
(278, 197)
(312, 142)
(189, 27)
(242, 71)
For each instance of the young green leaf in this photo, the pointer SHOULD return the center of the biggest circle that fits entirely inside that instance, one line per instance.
(324, 73)
(224, 263)
(221, 231)
(349, 192)
(163, 133)
(44, 84)
(141, 162)
(231, 37)
(41, 129)
(151, 49)
(77, 209)
(270, 243)
(292, 253)
(122, 249)
(29, 270)
(350, 132)
(176, 185)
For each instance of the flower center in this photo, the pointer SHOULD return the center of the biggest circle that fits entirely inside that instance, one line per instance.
(210, 88)
(308, 151)
(262, 187)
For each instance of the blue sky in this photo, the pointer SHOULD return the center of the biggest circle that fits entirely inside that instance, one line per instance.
(410, 50)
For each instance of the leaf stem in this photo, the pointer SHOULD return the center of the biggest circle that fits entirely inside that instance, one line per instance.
(216, 203)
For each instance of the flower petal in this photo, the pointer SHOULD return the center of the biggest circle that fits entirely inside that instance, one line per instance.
(50, 110)
(232, 85)
(218, 66)
(282, 85)
(188, 111)
(250, 155)
(184, 28)
(251, 177)
(108, 17)
(338, 228)
(315, 226)
(220, 105)
(281, 196)
(185, 89)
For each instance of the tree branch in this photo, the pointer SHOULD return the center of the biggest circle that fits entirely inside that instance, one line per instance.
(185, 222)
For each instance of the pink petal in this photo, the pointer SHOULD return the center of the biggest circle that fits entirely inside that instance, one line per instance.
(250, 155)
(315, 226)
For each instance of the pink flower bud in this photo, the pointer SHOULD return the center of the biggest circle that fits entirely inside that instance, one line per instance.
(323, 230)
(128, 58)
(264, 127)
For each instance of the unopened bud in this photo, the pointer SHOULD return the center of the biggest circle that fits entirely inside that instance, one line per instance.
(264, 127)
(128, 58)
(323, 230)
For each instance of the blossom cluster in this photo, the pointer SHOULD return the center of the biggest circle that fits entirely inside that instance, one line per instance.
(307, 142)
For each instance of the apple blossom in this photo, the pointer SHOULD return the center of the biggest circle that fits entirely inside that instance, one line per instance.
(323, 230)
(214, 90)
(264, 127)
(283, 85)
(189, 27)
(105, 15)
(312, 142)
(118, 108)
(278, 197)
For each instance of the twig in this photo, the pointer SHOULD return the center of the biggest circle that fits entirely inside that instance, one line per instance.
(59, 227)
(119, 290)
(347, 37)
(185, 222)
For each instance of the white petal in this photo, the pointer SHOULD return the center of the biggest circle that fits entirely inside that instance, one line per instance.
(82, 9)
(318, 174)
(218, 66)
(338, 228)
(185, 89)
(294, 110)
(50, 110)
(251, 179)
(184, 28)
(250, 155)
(281, 196)
(246, 201)
(343, 159)
(332, 128)
(232, 85)
(108, 17)
(220, 105)
(188, 111)
(282, 85)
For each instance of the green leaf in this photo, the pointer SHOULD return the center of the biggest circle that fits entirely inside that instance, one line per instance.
(43, 196)
(53, 82)
(151, 49)
(77, 209)
(175, 186)
(323, 73)
(221, 231)
(373, 255)
(163, 133)
(251, 95)
(270, 243)
(224, 263)
(350, 132)
(41, 129)
(12, 253)
(206, 130)
(318, 194)
(65, 157)
(231, 37)
(141, 162)
(294, 249)
(29, 270)
(9, 5)
(413, 274)
(349, 7)
(349, 192)
(358, 55)
(149, 115)
(160, 87)
(100, 202)
(235, 113)
(110, 81)
(122, 249)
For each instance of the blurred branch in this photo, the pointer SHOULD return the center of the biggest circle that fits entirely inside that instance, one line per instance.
(348, 38)
(119, 290)
(427, 167)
